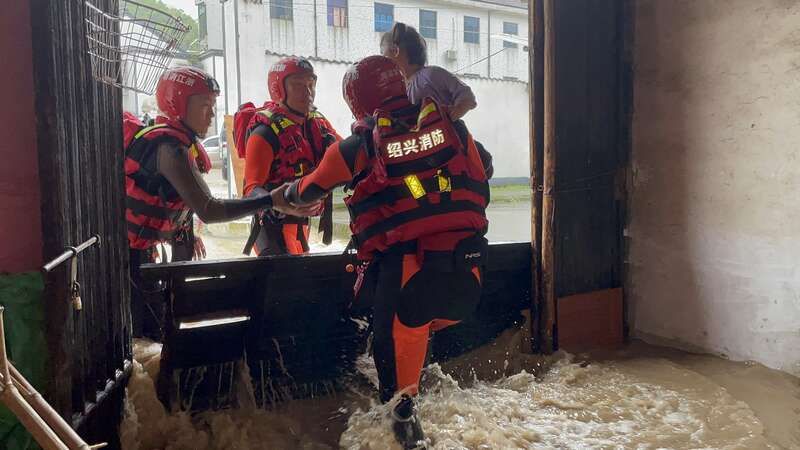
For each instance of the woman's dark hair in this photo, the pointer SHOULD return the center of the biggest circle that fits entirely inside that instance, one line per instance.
(407, 38)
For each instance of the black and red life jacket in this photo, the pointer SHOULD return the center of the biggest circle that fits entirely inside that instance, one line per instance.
(420, 183)
(294, 154)
(154, 211)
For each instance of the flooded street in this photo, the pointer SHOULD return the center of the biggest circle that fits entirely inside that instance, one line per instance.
(639, 396)
(509, 217)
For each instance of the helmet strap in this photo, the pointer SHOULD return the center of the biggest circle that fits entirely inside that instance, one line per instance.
(189, 129)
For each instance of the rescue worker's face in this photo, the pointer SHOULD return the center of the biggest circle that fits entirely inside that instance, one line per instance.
(199, 112)
(300, 92)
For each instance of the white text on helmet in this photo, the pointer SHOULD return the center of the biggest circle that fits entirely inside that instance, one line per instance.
(181, 78)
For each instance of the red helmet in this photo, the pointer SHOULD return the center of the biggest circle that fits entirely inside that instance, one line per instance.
(276, 80)
(177, 85)
(371, 83)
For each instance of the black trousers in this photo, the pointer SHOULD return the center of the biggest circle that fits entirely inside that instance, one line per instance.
(410, 303)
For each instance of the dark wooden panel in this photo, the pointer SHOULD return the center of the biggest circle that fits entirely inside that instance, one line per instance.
(501, 256)
(80, 163)
(302, 337)
(590, 149)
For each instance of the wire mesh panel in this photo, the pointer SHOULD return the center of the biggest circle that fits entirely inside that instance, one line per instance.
(133, 49)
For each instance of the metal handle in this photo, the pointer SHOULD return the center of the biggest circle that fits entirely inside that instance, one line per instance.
(70, 252)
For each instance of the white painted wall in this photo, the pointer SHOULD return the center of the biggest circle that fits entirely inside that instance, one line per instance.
(503, 130)
(259, 33)
(296, 37)
(215, 65)
(213, 39)
(714, 233)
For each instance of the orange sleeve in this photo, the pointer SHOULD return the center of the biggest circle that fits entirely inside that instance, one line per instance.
(337, 168)
(258, 162)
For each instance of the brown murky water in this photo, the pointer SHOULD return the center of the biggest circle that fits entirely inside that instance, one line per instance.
(638, 396)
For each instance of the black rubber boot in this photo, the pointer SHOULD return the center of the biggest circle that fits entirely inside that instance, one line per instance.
(407, 427)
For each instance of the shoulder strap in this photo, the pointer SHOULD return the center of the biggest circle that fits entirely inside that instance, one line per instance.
(268, 134)
(278, 122)
(146, 130)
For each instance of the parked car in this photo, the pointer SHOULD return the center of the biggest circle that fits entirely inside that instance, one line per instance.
(225, 159)
(212, 147)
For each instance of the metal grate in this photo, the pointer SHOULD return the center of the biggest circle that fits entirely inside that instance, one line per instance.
(133, 49)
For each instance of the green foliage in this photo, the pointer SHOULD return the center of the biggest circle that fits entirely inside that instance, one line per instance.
(191, 41)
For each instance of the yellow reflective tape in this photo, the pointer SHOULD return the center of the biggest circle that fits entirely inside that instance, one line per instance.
(444, 183)
(384, 122)
(146, 130)
(427, 110)
(299, 172)
(283, 123)
(414, 186)
(275, 129)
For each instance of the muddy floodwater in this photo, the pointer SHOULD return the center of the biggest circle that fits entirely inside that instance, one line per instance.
(638, 396)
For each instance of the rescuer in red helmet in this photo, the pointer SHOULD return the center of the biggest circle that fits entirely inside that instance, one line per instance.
(163, 184)
(282, 141)
(417, 208)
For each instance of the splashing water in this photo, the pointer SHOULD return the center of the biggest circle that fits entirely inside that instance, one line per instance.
(148, 426)
(597, 406)
(633, 403)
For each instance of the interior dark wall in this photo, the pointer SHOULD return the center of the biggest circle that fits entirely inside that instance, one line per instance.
(592, 144)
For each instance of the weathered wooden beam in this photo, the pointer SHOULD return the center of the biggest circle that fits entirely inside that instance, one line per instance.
(536, 97)
(548, 305)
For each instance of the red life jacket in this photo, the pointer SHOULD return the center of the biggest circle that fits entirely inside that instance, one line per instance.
(294, 154)
(154, 211)
(420, 183)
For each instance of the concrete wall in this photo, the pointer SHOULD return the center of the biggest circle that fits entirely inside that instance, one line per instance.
(260, 33)
(213, 39)
(257, 29)
(20, 217)
(714, 232)
(503, 130)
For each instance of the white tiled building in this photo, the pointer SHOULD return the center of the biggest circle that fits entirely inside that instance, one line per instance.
(481, 40)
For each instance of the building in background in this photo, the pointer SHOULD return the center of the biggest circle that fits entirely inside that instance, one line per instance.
(481, 41)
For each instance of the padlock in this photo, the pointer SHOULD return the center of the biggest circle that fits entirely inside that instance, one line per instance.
(77, 304)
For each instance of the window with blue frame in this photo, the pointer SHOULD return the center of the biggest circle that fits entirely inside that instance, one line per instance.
(280, 9)
(472, 30)
(427, 23)
(337, 13)
(512, 29)
(384, 17)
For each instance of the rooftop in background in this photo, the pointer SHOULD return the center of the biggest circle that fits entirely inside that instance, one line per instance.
(521, 4)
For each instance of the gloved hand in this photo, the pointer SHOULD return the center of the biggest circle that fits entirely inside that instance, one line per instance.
(280, 204)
